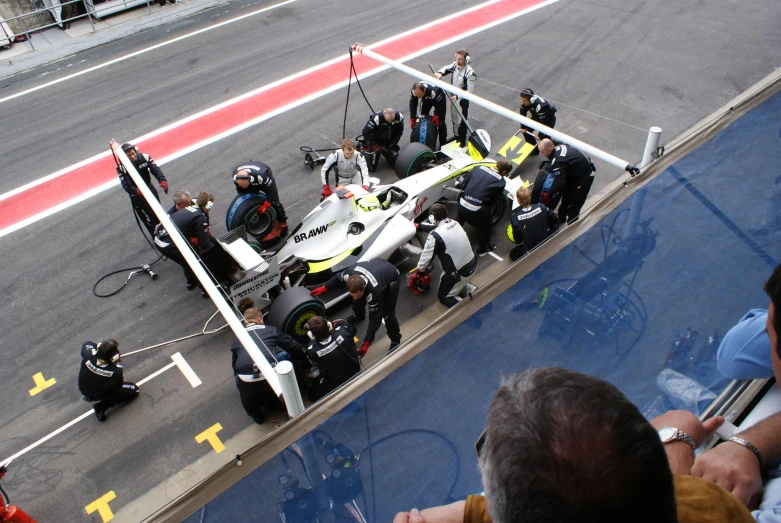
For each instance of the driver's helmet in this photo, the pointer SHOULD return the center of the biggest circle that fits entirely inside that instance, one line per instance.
(369, 203)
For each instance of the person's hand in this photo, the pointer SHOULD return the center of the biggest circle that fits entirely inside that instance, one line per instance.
(412, 123)
(733, 467)
(438, 75)
(377, 148)
(365, 188)
(138, 192)
(264, 207)
(687, 422)
(317, 291)
(413, 516)
(417, 225)
(164, 186)
(364, 348)
(327, 191)
(453, 97)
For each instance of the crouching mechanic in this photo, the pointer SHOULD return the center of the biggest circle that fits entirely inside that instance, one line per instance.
(146, 168)
(481, 187)
(333, 353)
(256, 394)
(257, 178)
(448, 241)
(101, 377)
(376, 283)
(382, 133)
(349, 168)
(530, 224)
(537, 109)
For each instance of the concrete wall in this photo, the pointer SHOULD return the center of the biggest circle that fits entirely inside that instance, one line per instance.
(11, 8)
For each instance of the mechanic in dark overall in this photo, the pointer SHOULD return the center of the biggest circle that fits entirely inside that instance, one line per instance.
(381, 133)
(576, 169)
(537, 109)
(376, 283)
(146, 168)
(448, 242)
(422, 99)
(256, 394)
(101, 377)
(333, 353)
(463, 77)
(481, 187)
(530, 224)
(192, 220)
(348, 167)
(257, 178)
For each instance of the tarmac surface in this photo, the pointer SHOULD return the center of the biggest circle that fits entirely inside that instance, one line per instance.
(613, 68)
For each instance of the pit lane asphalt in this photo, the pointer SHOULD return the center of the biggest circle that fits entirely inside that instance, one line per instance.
(636, 63)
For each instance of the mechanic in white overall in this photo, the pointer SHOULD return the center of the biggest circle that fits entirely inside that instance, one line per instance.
(349, 167)
(462, 76)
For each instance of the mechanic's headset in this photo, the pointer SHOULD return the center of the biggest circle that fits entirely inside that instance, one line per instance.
(312, 336)
(464, 52)
(109, 345)
(236, 177)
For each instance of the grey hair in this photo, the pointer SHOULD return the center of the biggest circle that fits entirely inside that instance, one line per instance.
(565, 447)
(182, 196)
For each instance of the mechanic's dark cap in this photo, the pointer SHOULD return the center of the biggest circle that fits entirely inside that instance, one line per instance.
(527, 93)
(127, 146)
(107, 349)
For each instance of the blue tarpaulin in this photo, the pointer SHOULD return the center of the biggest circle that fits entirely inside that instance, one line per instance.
(641, 300)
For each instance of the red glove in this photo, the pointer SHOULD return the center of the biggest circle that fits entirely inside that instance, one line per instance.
(435, 120)
(416, 226)
(317, 291)
(377, 148)
(365, 188)
(327, 191)
(363, 349)
(138, 191)
(164, 186)
(412, 123)
(264, 207)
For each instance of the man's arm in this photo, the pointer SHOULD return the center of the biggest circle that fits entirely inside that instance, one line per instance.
(453, 513)
(553, 221)
(154, 169)
(736, 468)
(375, 317)
(361, 161)
(329, 163)
(125, 181)
(368, 130)
(427, 255)
(290, 345)
(202, 233)
(398, 130)
(86, 349)
(680, 455)
(413, 106)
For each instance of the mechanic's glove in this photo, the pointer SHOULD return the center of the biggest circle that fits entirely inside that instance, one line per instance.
(317, 291)
(543, 164)
(363, 349)
(327, 191)
(376, 148)
(365, 188)
(412, 123)
(264, 207)
(417, 225)
(435, 120)
(138, 192)
(164, 186)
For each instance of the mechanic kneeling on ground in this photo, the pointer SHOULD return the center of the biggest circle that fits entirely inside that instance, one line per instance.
(101, 377)
(257, 178)
(448, 241)
(192, 220)
(577, 171)
(530, 224)
(349, 168)
(422, 99)
(481, 187)
(382, 133)
(333, 353)
(537, 109)
(256, 394)
(146, 168)
(375, 282)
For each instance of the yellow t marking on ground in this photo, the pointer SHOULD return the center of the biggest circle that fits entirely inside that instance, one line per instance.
(101, 505)
(41, 384)
(210, 435)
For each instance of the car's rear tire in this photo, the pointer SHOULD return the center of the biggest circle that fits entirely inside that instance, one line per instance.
(243, 210)
(413, 159)
(292, 309)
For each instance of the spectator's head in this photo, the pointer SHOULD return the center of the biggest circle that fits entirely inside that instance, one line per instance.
(107, 349)
(182, 199)
(241, 178)
(348, 148)
(439, 212)
(546, 147)
(563, 447)
(319, 328)
(526, 96)
(253, 315)
(419, 89)
(773, 290)
(524, 196)
(389, 114)
(504, 167)
(355, 286)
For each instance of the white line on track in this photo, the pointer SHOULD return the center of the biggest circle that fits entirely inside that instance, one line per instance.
(146, 50)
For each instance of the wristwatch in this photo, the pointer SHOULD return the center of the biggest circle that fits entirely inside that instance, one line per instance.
(669, 434)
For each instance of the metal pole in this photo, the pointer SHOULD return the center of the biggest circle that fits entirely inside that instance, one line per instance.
(636, 207)
(214, 293)
(290, 391)
(651, 144)
(498, 109)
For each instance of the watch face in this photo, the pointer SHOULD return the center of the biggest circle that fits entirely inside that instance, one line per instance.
(666, 433)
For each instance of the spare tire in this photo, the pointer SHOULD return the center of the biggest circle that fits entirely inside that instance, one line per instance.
(413, 159)
(243, 210)
(290, 311)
